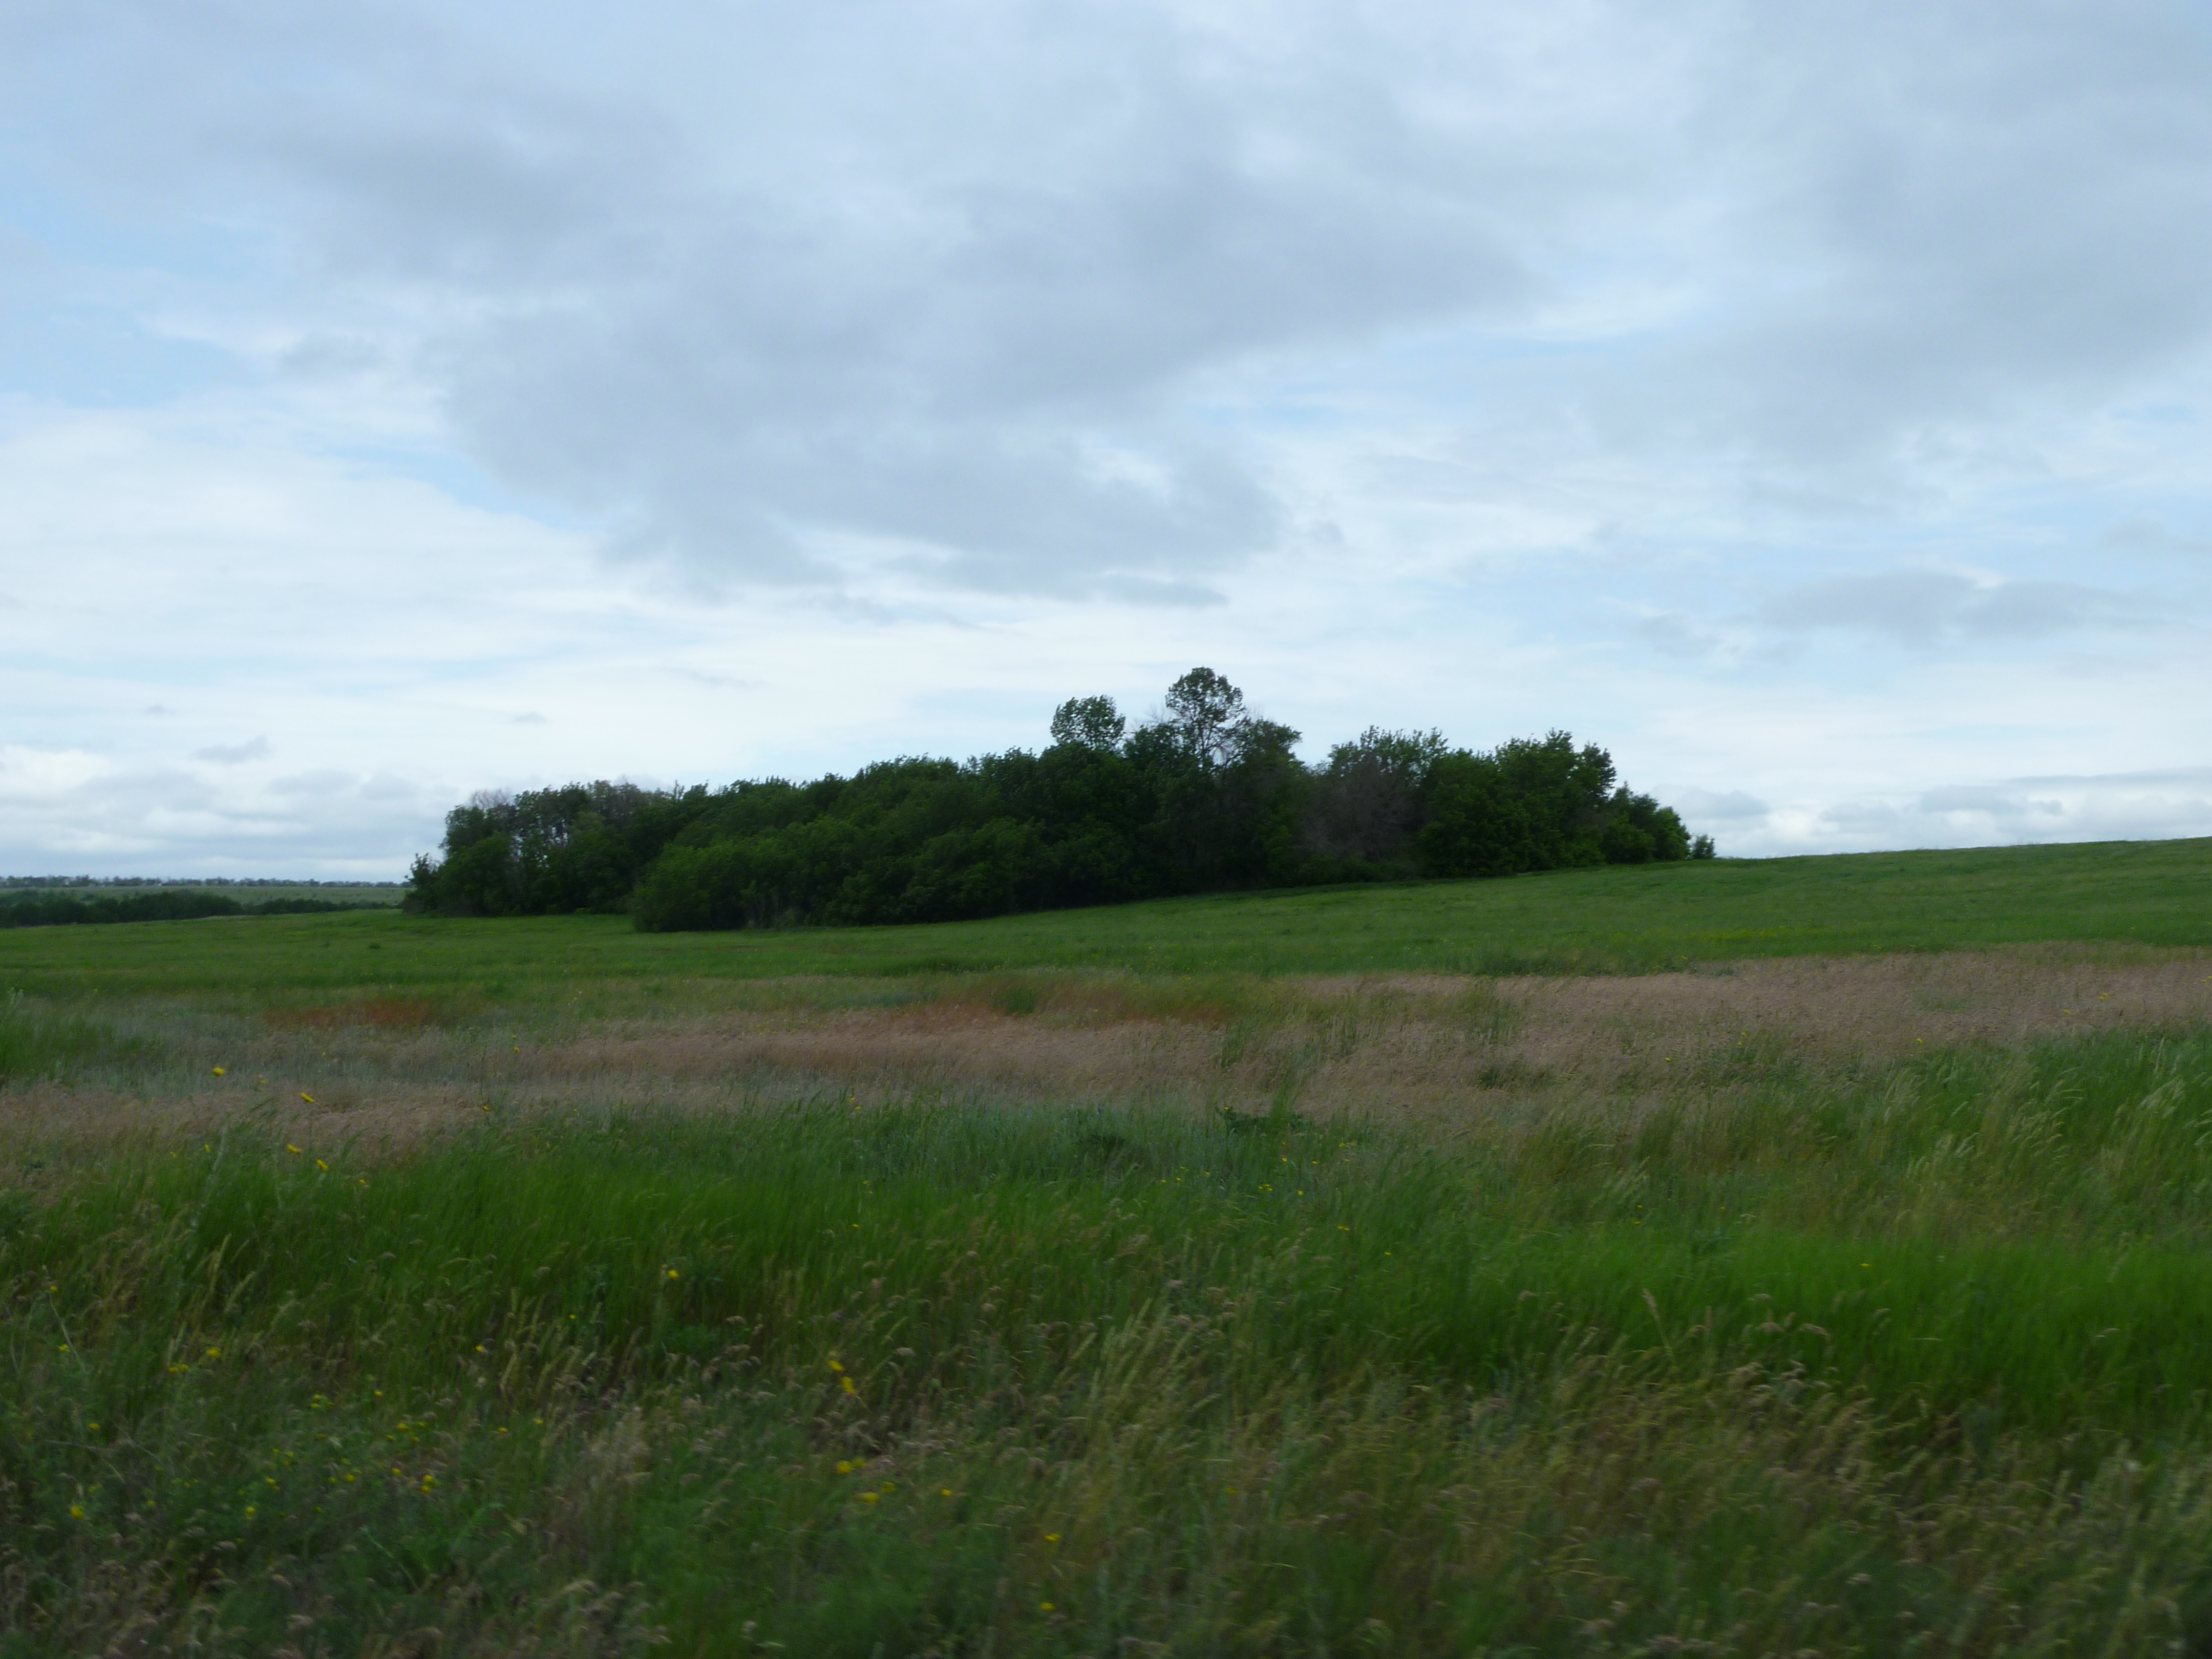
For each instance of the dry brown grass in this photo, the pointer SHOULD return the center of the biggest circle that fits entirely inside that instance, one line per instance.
(385, 1013)
(1878, 1007)
(1438, 1049)
(1360, 1044)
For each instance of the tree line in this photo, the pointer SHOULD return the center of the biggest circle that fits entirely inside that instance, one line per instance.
(43, 910)
(1207, 798)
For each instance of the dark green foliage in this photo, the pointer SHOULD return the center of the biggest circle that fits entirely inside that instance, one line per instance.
(550, 851)
(1210, 797)
(1368, 802)
(1529, 804)
(1091, 722)
(163, 904)
(1639, 830)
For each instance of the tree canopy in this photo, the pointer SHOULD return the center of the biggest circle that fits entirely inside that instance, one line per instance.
(1207, 798)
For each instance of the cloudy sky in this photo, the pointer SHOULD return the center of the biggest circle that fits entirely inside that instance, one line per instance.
(1809, 402)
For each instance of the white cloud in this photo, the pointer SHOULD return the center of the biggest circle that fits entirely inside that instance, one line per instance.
(450, 396)
(2117, 806)
(63, 812)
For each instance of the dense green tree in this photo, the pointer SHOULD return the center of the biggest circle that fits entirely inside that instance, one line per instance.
(1369, 800)
(1091, 723)
(1209, 797)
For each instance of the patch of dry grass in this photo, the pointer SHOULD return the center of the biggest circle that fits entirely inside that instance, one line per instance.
(1451, 1052)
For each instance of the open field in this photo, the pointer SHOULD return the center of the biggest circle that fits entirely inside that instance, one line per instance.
(1631, 919)
(538, 1287)
(365, 892)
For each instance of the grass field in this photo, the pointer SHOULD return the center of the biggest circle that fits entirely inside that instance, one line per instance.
(1626, 918)
(377, 893)
(1361, 1272)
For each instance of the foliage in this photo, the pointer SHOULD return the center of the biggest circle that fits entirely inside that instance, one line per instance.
(1208, 798)
(36, 910)
(578, 847)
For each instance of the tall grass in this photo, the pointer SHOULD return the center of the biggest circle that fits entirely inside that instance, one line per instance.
(37, 1042)
(956, 1378)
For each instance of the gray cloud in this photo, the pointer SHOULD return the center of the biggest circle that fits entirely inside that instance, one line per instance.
(1874, 822)
(1925, 607)
(234, 754)
(1677, 635)
(778, 289)
(2147, 533)
(1732, 807)
(1972, 219)
(1992, 800)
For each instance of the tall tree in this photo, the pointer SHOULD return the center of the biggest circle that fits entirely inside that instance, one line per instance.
(1205, 713)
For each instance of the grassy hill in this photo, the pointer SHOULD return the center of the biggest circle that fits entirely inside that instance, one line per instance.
(1631, 919)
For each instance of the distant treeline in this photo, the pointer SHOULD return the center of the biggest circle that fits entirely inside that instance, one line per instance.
(163, 905)
(10, 882)
(1206, 799)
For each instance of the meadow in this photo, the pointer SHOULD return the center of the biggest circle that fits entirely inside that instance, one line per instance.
(1804, 1257)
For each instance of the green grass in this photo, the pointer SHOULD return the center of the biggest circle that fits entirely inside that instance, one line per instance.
(1786, 1354)
(545, 1355)
(1933, 1354)
(1630, 918)
(41, 1043)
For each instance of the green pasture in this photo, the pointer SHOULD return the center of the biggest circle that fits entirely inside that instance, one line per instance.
(938, 1379)
(1788, 1353)
(1623, 918)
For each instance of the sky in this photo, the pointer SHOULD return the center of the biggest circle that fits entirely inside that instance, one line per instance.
(1808, 403)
